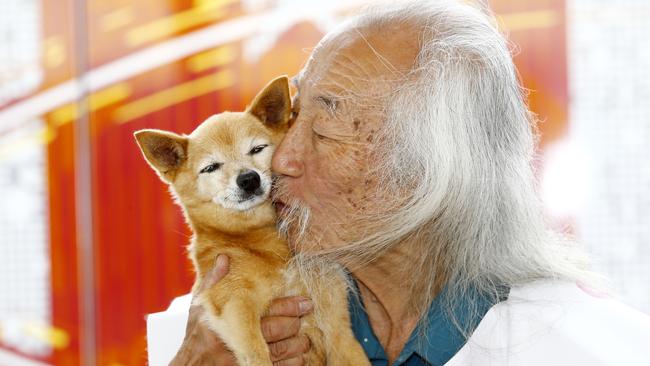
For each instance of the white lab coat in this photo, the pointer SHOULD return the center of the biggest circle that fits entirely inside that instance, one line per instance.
(542, 323)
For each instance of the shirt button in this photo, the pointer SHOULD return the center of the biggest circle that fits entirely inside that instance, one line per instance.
(365, 339)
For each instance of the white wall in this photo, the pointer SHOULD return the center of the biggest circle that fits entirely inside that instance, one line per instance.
(609, 82)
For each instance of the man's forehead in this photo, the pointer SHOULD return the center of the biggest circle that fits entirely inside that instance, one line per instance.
(362, 56)
(322, 55)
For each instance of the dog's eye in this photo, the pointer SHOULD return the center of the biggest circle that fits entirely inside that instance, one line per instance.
(257, 149)
(210, 168)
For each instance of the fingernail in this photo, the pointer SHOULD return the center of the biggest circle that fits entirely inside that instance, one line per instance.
(305, 306)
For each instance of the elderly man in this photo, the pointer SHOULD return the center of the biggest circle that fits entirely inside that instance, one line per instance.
(408, 161)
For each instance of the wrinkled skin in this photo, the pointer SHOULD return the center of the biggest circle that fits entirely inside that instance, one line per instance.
(326, 159)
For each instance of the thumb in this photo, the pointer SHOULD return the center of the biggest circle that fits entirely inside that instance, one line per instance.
(219, 271)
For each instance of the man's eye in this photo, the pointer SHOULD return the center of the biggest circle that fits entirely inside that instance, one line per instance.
(328, 102)
(210, 168)
(319, 136)
(257, 149)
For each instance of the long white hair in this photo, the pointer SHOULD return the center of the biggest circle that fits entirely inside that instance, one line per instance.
(460, 136)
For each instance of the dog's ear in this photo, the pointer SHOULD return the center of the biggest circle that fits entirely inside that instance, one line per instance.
(164, 151)
(272, 105)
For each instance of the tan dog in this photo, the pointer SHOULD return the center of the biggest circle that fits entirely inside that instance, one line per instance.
(221, 176)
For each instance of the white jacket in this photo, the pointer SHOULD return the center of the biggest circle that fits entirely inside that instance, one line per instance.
(542, 323)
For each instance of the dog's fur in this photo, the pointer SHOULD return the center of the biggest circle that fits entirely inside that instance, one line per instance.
(202, 171)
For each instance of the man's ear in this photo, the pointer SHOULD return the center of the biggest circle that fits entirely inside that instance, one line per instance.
(272, 105)
(164, 151)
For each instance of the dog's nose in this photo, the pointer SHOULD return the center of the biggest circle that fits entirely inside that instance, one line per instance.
(248, 181)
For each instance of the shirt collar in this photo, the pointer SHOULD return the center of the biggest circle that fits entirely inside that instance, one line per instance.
(436, 339)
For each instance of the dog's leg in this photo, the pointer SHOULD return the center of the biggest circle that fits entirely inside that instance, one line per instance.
(317, 354)
(239, 327)
(343, 349)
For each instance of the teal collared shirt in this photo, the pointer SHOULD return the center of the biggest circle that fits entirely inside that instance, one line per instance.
(439, 341)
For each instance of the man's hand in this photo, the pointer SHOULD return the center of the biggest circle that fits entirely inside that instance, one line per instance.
(280, 329)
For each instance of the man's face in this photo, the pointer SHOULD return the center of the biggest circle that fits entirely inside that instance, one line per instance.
(326, 161)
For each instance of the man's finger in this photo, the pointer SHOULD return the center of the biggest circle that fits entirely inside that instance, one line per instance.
(289, 348)
(277, 328)
(219, 271)
(291, 306)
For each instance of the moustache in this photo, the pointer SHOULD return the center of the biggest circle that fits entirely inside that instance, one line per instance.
(293, 215)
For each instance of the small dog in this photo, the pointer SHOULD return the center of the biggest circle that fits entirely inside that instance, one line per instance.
(221, 177)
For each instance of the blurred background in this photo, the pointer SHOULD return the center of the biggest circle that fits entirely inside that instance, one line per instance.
(90, 241)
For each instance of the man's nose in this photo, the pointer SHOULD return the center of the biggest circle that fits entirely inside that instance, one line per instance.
(289, 155)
